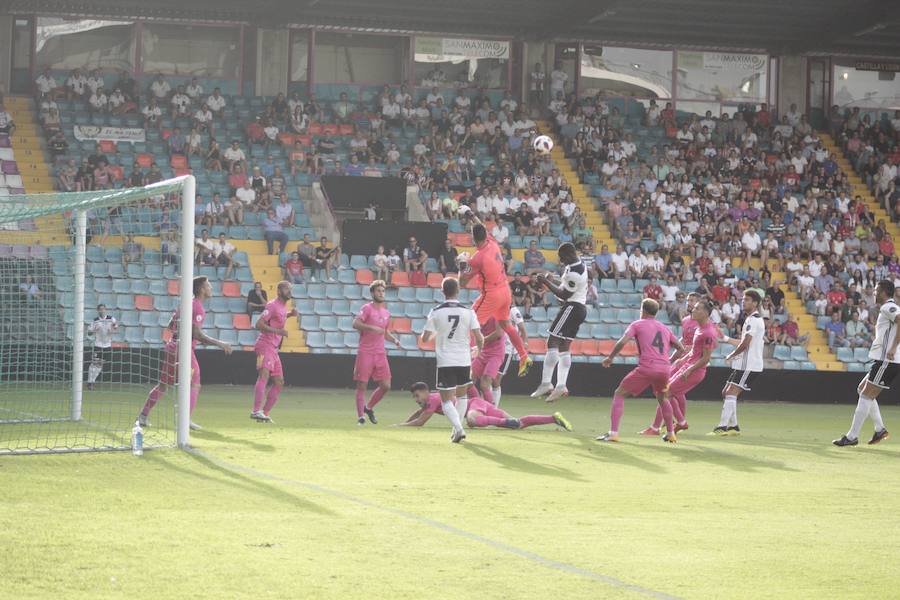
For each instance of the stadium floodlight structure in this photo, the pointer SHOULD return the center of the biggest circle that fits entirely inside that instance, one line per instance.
(62, 255)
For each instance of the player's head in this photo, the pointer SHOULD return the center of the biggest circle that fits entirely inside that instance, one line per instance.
(101, 310)
(376, 288)
(479, 234)
(419, 390)
(284, 290)
(692, 300)
(751, 301)
(450, 287)
(202, 289)
(649, 308)
(701, 310)
(884, 291)
(567, 253)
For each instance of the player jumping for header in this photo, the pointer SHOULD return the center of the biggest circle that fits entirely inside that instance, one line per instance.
(496, 297)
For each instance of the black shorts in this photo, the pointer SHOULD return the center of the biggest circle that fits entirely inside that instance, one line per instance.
(742, 379)
(102, 354)
(569, 318)
(882, 373)
(450, 378)
(504, 367)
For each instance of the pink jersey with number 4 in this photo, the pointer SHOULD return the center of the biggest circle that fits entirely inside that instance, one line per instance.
(653, 340)
(370, 341)
(275, 316)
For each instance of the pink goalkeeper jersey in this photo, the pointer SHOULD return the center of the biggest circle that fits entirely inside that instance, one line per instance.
(653, 340)
(274, 315)
(704, 337)
(369, 341)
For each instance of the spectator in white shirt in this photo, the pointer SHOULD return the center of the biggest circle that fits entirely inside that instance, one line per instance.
(194, 90)
(620, 262)
(203, 119)
(76, 85)
(46, 85)
(558, 79)
(181, 103)
(216, 102)
(215, 213)
(160, 88)
(246, 195)
(285, 211)
(99, 101)
(152, 114)
(233, 155)
(95, 81)
(223, 252)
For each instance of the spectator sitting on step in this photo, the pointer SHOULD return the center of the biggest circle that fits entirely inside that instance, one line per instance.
(132, 252)
(257, 298)
(285, 211)
(790, 332)
(293, 268)
(204, 249)
(274, 232)
(224, 254)
(307, 253)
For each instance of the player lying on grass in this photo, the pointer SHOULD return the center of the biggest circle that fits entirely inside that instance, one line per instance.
(479, 413)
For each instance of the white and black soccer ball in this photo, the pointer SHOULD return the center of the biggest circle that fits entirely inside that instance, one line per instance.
(542, 144)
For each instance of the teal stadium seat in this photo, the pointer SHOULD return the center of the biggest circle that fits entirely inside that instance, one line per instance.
(328, 323)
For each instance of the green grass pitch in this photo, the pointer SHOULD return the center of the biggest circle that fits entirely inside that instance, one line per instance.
(317, 507)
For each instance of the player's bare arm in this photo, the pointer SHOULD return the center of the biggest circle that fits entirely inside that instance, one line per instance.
(417, 419)
(607, 362)
(389, 336)
(557, 291)
(479, 339)
(360, 326)
(427, 336)
(264, 327)
(741, 348)
(208, 341)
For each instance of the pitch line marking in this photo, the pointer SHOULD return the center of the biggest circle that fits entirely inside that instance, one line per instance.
(526, 554)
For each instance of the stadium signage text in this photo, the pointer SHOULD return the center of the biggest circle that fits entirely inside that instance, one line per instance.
(113, 134)
(868, 65)
(462, 47)
(734, 61)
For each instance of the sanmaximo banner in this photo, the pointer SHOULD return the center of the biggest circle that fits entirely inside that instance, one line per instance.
(113, 134)
(462, 47)
(734, 61)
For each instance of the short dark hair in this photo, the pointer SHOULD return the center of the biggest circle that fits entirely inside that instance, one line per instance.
(567, 249)
(887, 286)
(450, 287)
(754, 295)
(419, 385)
(199, 282)
(479, 233)
(705, 305)
(101, 305)
(650, 306)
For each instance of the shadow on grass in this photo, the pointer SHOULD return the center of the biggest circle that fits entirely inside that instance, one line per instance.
(239, 481)
(213, 436)
(517, 463)
(617, 452)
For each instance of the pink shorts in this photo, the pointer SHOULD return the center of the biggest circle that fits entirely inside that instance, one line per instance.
(488, 363)
(169, 372)
(268, 359)
(371, 366)
(485, 408)
(642, 377)
(679, 386)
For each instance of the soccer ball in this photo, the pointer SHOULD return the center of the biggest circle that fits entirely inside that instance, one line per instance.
(542, 144)
(463, 209)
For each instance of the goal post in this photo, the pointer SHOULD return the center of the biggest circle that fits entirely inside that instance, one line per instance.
(73, 379)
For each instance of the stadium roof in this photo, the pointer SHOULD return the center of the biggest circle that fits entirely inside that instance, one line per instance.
(848, 27)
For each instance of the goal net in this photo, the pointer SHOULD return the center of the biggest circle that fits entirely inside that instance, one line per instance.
(89, 282)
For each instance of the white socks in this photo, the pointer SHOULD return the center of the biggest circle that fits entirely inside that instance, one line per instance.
(729, 412)
(462, 407)
(875, 415)
(496, 392)
(94, 372)
(863, 407)
(562, 372)
(451, 414)
(550, 360)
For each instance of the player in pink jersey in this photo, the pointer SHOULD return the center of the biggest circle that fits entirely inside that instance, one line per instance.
(688, 327)
(487, 365)
(479, 413)
(372, 323)
(653, 341)
(268, 364)
(202, 290)
(692, 368)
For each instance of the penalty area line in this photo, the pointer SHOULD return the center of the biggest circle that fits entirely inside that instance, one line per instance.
(503, 547)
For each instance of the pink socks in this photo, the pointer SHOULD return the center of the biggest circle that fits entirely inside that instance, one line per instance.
(536, 420)
(272, 398)
(259, 393)
(376, 397)
(485, 421)
(666, 407)
(618, 409)
(195, 391)
(360, 402)
(152, 399)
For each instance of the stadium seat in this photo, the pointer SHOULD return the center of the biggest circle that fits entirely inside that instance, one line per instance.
(316, 291)
(782, 352)
(334, 291)
(861, 355)
(408, 294)
(148, 319)
(334, 339)
(231, 289)
(345, 323)
(844, 354)
(364, 276)
(798, 353)
(400, 279)
(222, 321)
(323, 307)
(240, 321)
(351, 339)
(328, 323)
(401, 325)
(247, 338)
(229, 336)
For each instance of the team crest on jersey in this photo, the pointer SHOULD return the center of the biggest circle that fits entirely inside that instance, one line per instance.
(893, 309)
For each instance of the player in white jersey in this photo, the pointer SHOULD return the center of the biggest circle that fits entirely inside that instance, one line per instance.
(883, 371)
(746, 363)
(515, 317)
(572, 291)
(101, 329)
(451, 324)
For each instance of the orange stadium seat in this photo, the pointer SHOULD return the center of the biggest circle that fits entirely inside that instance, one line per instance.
(314, 129)
(400, 279)
(401, 325)
(173, 287)
(537, 345)
(286, 139)
(142, 302)
(345, 129)
(241, 321)
(178, 161)
(144, 160)
(364, 277)
(428, 347)
(434, 280)
(231, 289)
(108, 146)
